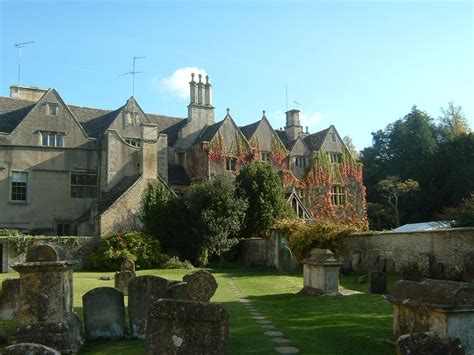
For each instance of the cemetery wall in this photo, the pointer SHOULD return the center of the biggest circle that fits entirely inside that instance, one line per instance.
(76, 248)
(448, 249)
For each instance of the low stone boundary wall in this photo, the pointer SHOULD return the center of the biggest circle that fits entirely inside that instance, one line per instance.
(13, 249)
(447, 253)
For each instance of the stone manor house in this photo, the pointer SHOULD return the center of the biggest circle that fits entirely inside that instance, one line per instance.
(70, 170)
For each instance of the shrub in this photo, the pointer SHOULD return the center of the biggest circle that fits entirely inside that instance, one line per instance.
(303, 236)
(139, 247)
(175, 263)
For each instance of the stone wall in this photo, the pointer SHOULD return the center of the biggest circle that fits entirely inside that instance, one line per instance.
(443, 253)
(76, 248)
(433, 252)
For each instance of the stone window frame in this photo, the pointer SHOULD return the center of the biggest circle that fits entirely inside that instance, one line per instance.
(265, 156)
(332, 137)
(301, 161)
(134, 142)
(335, 157)
(231, 164)
(338, 195)
(59, 224)
(52, 109)
(26, 188)
(130, 118)
(83, 185)
(51, 139)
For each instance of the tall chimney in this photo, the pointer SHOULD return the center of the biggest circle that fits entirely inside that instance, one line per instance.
(200, 90)
(192, 90)
(207, 92)
(293, 128)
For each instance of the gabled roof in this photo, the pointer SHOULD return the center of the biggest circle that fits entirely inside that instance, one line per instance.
(209, 132)
(94, 121)
(177, 176)
(173, 130)
(107, 200)
(12, 112)
(164, 122)
(316, 140)
(249, 130)
(284, 139)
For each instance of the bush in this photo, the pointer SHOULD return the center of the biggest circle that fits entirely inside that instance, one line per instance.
(175, 263)
(303, 236)
(139, 247)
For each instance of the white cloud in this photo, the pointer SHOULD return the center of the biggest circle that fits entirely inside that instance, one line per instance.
(177, 84)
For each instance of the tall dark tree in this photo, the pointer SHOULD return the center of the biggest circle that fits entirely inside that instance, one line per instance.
(263, 190)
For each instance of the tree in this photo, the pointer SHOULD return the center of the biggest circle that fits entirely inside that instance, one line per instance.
(452, 122)
(263, 190)
(351, 147)
(392, 188)
(215, 217)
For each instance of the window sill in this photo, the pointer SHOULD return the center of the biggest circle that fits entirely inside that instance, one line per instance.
(19, 202)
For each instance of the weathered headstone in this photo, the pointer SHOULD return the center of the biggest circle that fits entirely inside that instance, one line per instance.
(123, 277)
(186, 327)
(45, 301)
(411, 275)
(445, 307)
(355, 262)
(201, 286)
(29, 349)
(179, 291)
(378, 282)
(428, 343)
(9, 298)
(286, 263)
(321, 273)
(142, 292)
(104, 313)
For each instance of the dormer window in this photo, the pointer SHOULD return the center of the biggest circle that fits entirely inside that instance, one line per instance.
(332, 137)
(300, 162)
(52, 109)
(52, 139)
(130, 118)
(265, 156)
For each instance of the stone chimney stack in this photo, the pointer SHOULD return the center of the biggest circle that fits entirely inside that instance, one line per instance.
(149, 151)
(192, 90)
(200, 86)
(207, 92)
(293, 128)
(29, 93)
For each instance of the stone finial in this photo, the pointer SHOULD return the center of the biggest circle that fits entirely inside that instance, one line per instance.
(192, 77)
(207, 79)
(307, 129)
(200, 77)
(228, 110)
(263, 113)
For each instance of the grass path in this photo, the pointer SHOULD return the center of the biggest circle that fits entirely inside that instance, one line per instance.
(359, 324)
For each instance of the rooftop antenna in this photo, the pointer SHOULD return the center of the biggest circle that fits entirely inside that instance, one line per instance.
(20, 46)
(297, 105)
(133, 72)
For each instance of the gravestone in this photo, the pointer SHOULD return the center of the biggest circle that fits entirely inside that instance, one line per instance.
(29, 349)
(123, 277)
(142, 292)
(378, 282)
(179, 291)
(321, 273)
(355, 262)
(186, 327)
(286, 264)
(444, 307)
(201, 286)
(9, 298)
(428, 343)
(104, 313)
(45, 301)
(411, 275)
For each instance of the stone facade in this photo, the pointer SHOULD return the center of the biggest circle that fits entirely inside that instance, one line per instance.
(100, 161)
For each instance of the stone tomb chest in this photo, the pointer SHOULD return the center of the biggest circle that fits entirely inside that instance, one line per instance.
(46, 300)
(321, 273)
(445, 307)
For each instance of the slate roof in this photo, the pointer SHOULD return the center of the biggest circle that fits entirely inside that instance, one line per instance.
(249, 130)
(173, 130)
(177, 176)
(209, 132)
(164, 122)
(12, 112)
(284, 138)
(107, 200)
(316, 140)
(94, 121)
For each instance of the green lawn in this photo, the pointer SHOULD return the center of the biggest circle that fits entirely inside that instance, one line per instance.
(323, 325)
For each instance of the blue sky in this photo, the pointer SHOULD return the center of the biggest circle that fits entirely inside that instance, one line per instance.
(357, 65)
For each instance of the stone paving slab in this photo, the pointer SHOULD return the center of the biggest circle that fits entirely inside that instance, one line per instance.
(279, 340)
(274, 334)
(263, 321)
(287, 350)
(259, 317)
